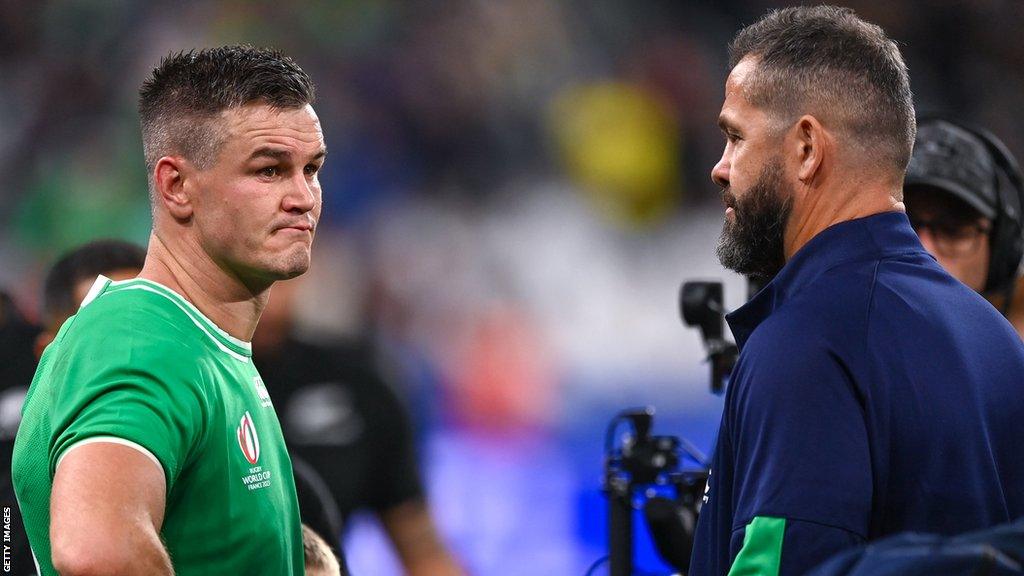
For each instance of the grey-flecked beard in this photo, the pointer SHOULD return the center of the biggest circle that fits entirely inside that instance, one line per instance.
(753, 241)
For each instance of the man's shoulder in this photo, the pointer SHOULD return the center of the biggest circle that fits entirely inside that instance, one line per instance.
(835, 304)
(127, 304)
(840, 299)
(131, 323)
(919, 292)
(826, 319)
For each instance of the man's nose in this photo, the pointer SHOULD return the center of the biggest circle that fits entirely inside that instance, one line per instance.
(720, 173)
(302, 197)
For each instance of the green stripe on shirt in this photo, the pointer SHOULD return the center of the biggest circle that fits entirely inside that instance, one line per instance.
(761, 554)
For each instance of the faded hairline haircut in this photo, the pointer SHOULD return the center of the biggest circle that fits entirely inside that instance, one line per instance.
(827, 62)
(180, 102)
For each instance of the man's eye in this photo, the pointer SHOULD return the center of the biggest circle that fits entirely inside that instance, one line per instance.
(312, 169)
(732, 136)
(957, 231)
(268, 172)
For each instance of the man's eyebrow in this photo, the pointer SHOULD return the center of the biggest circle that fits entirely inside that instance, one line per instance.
(281, 153)
(273, 153)
(723, 123)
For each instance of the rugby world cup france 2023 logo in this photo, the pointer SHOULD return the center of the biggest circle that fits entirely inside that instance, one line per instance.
(247, 439)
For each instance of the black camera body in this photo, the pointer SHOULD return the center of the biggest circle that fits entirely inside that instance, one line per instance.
(641, 462)
(701, 304)
(637, 464)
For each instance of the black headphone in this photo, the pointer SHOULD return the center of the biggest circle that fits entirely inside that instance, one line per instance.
(1006, 240)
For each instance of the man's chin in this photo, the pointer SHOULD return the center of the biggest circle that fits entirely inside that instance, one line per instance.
(294, 268)
(294, 272)
(294, 261)
(286, 268)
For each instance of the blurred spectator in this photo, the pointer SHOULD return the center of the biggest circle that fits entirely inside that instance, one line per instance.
(17, 364)
(22, 344)
(964, 193)
(339, 415)
(526, 282)
(319, 558)
(70, 278)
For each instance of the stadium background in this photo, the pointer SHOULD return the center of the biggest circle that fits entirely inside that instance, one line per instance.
(514, 192)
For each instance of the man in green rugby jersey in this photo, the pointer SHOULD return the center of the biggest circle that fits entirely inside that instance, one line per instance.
(149, 444)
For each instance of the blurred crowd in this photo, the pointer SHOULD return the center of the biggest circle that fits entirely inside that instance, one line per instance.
(514, 189)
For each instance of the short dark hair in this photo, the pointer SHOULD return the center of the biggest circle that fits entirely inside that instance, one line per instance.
(83, 263)
(826, 60)
(188, 89)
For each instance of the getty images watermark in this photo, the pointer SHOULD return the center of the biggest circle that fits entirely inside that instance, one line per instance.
(7, 541)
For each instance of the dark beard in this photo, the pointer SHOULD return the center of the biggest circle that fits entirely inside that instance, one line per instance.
(752, 243)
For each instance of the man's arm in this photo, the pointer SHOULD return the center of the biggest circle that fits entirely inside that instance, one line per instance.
(106, 510)
(418, 544)
(803, 470)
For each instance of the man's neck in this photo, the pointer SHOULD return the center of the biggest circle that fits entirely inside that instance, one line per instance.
(225, 300)
(820, 208)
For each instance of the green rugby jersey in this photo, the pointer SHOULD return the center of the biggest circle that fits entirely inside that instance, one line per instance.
(140, 365)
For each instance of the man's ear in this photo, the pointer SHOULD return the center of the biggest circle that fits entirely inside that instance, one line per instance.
(171, 179)
(812, 145)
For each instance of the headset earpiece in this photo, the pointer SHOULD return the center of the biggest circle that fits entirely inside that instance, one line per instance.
(1006, 240)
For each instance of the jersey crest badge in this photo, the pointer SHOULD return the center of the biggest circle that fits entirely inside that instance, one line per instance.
(248, 441)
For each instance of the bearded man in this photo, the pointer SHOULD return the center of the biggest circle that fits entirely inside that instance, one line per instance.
(873, 393)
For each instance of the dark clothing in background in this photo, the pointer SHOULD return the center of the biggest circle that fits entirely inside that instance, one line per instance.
(340, 417)
(17, 366)
(995, 551)
(874, 394)
(317, 507)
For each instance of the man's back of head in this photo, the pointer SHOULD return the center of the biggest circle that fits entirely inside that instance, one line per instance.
(83, 264)
(70, 277)
(827, 62)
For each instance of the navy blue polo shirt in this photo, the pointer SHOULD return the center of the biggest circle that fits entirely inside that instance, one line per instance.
(873, 394)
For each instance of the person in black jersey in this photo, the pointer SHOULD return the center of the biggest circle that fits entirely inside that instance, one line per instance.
(340, 416)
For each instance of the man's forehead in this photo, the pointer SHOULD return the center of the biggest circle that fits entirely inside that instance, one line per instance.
(262, 112)
(739, 78)
(735, 103)
(730, 115)
(257, 125)
(740, 73)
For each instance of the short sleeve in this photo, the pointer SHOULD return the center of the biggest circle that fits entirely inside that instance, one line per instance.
(131, 386)
(801, 455)
(398, 470)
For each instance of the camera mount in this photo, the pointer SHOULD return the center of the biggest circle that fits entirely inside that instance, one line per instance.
(701, 305)
(638, 464)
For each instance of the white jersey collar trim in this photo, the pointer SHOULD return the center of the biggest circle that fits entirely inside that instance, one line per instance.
(170, 294)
